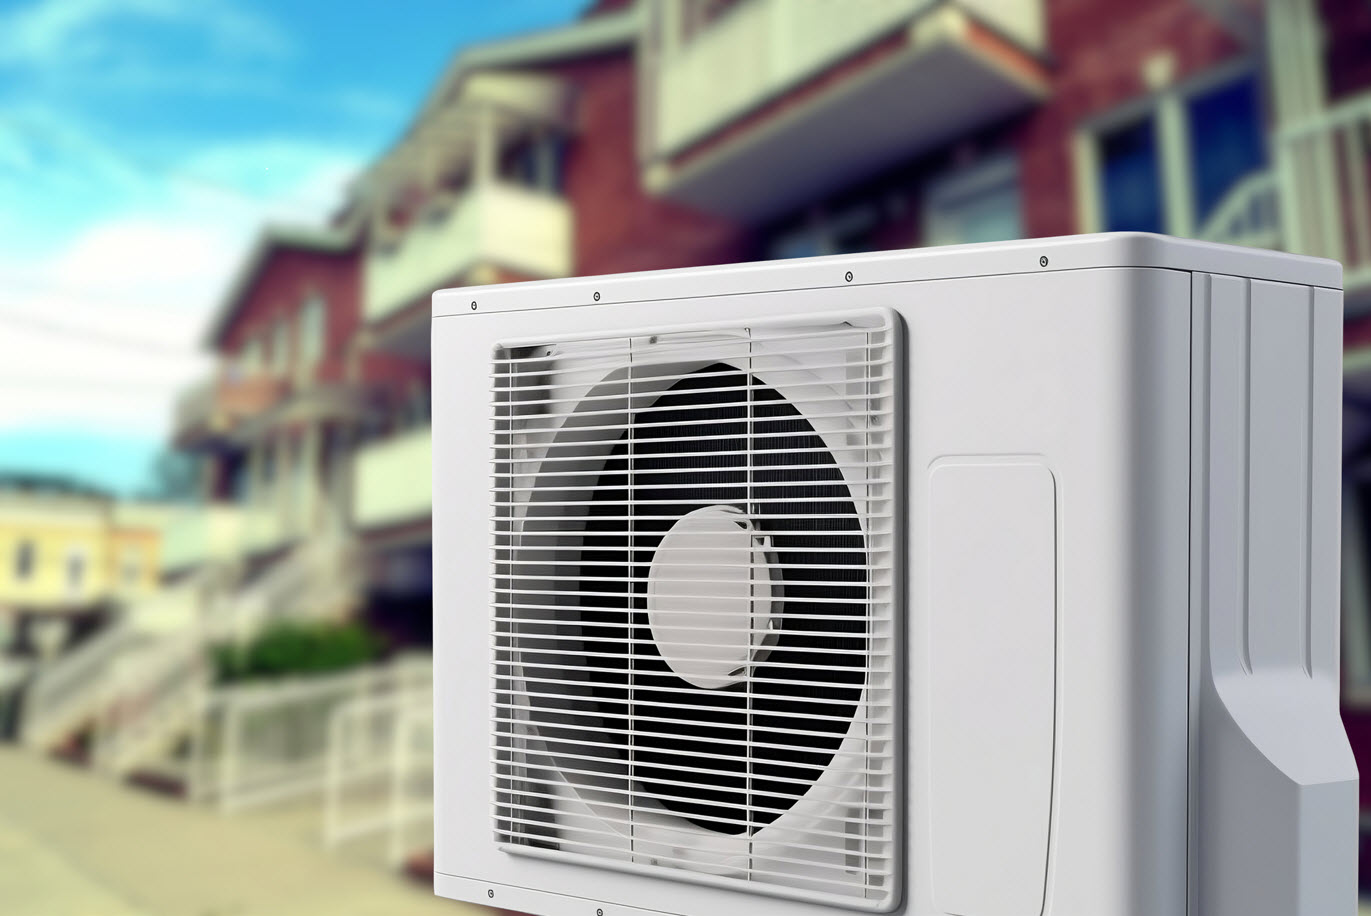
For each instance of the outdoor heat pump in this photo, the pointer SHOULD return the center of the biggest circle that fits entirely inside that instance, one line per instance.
(992, 580)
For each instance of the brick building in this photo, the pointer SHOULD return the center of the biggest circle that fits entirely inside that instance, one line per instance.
(658, 134)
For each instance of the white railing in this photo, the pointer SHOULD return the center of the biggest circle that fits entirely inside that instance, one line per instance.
(151, 698)
(70, 688)
(516, 227)
(379, 779)
(261, 744)
(142, 681)
(1248, 215)
(393, 480)
(317, 579)
(1325, 164)
(758, 49)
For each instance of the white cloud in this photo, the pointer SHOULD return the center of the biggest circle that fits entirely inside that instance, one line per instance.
(137, 288)
(52, 33)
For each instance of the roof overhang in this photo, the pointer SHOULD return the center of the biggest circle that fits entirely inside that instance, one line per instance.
(332, 240)
(485, 75)
(934, 80)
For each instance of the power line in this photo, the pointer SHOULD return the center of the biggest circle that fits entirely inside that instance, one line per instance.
(133, 344)
(11, 281)
(66, 384)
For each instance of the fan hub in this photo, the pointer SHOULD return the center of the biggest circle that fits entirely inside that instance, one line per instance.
(710, 594)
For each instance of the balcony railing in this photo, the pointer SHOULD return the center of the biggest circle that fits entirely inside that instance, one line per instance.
(1249, 215)
(203, 534)
(393, 479)
(508, 225)
(212, 407)
(1326, 187)
(224, 532)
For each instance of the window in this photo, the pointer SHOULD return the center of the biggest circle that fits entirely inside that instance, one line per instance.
(266, 479)
(76, 572)
(311, 334)
(25, 559)
(1225, 141)
(1131, 179)
(978, 204)
(1168, 163)
(280, 347)
(249, 359)
(535, 162)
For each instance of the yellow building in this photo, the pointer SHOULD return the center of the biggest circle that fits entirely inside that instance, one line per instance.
(68, 555)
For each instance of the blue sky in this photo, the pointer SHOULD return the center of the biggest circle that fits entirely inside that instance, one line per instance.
(141, 143)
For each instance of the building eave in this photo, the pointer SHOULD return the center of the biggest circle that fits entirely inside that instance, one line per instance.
(330, 240)
(585, 38)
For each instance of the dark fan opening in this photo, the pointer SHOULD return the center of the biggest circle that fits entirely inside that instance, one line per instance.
(690, 747)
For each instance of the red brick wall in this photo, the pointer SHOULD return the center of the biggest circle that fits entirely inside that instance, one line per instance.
(618, 226)
(284, 282)
(1098, 51)
(282, 286)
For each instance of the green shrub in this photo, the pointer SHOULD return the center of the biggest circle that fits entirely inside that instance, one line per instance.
(296, 648)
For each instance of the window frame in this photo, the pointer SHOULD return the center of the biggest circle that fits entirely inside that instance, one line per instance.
(281, 347)
(311, 334)
(1167, 106)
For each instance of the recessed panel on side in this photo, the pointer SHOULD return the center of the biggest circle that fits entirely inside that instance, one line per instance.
(993, 648)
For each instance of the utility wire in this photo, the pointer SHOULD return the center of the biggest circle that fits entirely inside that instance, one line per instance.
(56, 383)
(133, 344)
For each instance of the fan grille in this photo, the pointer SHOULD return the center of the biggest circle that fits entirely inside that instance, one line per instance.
(782, 778)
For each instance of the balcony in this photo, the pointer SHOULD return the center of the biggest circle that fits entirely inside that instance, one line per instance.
(496, 223)
(225, 533)
(1248, 215)
(1325, 191)
(394, 481)
(212, 408)
(835, 90)
(203, 534)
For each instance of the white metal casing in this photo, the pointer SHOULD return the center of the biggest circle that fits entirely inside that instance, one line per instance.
(1120, 460)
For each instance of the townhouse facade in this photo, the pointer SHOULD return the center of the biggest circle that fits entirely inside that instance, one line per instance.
(72, 557)
(668, 133)
(70, 553)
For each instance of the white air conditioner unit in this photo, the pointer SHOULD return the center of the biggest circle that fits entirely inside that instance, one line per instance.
(986, 581)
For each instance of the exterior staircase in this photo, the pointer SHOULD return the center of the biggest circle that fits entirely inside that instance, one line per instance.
(143, 690)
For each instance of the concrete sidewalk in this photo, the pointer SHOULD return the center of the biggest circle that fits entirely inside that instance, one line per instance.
(73, 844)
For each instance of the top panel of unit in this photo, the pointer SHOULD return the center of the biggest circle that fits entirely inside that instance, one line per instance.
(1028, 256)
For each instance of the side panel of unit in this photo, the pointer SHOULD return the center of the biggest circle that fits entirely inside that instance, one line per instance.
(1275, 786)
(1070, 390)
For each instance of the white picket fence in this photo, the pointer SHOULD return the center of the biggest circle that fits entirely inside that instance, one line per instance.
(259, 744)
(379, 778)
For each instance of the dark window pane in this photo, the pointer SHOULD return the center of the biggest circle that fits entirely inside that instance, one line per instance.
(24, 560)
(1131, 177)
(1225, 141)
